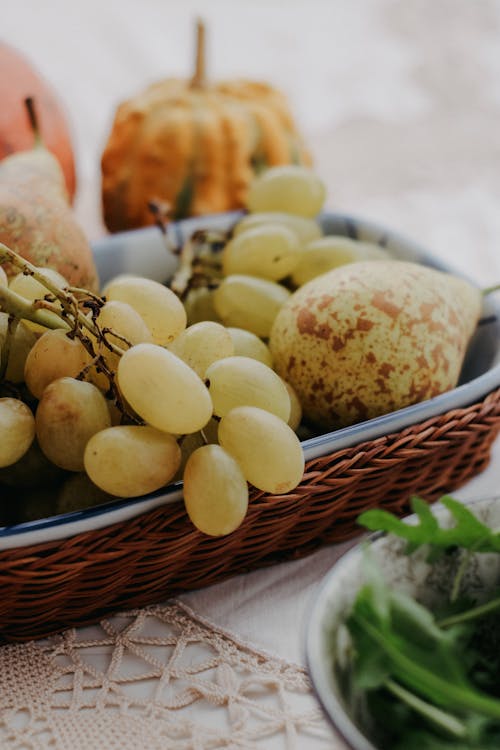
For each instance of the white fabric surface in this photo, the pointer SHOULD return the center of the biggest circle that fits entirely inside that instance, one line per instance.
(400, 103)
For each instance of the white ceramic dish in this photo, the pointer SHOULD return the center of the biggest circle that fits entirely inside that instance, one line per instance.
(144, 252)
(326, 644)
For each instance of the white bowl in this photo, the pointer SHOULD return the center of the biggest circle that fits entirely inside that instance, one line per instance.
(326, 644)
(144, 252)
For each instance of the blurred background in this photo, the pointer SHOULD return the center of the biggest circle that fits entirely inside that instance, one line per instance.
(399, 102)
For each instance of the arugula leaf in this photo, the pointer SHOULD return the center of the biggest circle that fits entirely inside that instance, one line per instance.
(471, 613)
(419, 625)
(443, 720)
(424, 681)
(399, 648)
(468, 531)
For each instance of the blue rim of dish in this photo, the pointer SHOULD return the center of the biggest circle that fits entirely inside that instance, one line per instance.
(343, 725)
(459, 397)
(155, 499)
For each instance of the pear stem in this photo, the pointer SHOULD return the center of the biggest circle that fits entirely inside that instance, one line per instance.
(29, 103)
(199, 80)
(490, 290)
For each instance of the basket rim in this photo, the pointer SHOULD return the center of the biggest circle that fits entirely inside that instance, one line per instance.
(66, 525)
(105, 250)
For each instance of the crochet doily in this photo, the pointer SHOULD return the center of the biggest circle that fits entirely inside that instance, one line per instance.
(157, 678)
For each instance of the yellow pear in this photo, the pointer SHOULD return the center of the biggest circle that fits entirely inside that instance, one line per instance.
(36, 218)
(368, 338)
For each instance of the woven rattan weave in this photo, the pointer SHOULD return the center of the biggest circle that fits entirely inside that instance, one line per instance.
(50, 586)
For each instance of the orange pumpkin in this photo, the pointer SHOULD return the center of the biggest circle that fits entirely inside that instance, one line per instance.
(193, 145)
(18, 80)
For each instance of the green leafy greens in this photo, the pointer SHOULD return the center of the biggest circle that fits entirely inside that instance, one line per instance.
(426, 682)
(468, 532)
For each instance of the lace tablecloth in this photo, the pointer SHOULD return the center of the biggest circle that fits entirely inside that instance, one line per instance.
(161, 677)
(400, 104)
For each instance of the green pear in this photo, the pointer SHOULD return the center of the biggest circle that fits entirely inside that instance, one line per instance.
(368, 338)
(36, 218)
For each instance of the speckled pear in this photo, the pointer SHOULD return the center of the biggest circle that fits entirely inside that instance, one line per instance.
(369, 338)
(36, 218)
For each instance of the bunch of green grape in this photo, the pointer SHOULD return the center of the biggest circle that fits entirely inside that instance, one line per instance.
(127, 393)
(198, 402)
(275, 248)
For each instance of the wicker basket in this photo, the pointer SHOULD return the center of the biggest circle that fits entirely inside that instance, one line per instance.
(54, 585)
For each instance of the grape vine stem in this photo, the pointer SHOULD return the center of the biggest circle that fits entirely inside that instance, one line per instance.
(60, 309)
(16, 305)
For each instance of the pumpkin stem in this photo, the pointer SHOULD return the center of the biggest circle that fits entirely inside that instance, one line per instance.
(198, 81)
(29, 103)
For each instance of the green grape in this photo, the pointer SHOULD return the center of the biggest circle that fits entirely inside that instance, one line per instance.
(33, 469)
(199, 305)
(21, 342)
(17, 430)
(304, 229)
(266, 448)
(115, 412)
(292, 189)
(332, 251)
(54, 355)
(69, 412)
(247, 344)
(215, 491)
(270, 251)
(295, 417)
(31, 289)
(79, 492)
(131, 460)
(126, 322)
(158, 306)
(243, 381)
(249, 302)
(201, 344)
(163, 390)
(189, 443)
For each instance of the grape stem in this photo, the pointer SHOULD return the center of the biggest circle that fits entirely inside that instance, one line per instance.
(184, 273)
(490, 290)
(20, 308)
(161, 212)
(66, 297)
(61, 310)
(196, 267)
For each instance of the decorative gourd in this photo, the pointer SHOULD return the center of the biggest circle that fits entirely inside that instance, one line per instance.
(19, 80)
(194, 146)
